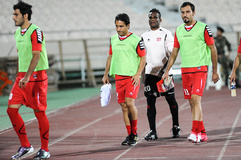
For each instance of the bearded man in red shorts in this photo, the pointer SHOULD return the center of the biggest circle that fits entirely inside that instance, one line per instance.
(197, 48)
(126, 60)
(30, 87)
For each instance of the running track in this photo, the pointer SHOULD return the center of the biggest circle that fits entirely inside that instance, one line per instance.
(85, 131)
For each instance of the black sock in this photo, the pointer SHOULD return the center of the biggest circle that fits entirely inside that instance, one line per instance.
(151, 112)
(173, 108)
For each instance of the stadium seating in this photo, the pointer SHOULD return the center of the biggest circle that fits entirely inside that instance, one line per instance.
(64, 20)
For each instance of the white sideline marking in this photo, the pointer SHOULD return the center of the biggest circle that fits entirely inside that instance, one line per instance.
(229, 136)
(158, 124)
(79, 129)
(50, 112)
(148, 158)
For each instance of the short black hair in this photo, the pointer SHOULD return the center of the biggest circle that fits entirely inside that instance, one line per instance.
(24, 8)
(220, 29)
(188, 4)
(123, 17)
(155, 10)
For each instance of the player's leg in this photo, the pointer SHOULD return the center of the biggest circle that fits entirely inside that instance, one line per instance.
(120, 90)
(151, 93)
(151, 112)
(127, 122)
(131, 93)
(44, 134)
(16, 99)
(196, 109)
(133, 115)
(173, 106)
(18, 124)
(187, 91)
(198, 85)
(126, 118)
(19, 127)
(40, 98)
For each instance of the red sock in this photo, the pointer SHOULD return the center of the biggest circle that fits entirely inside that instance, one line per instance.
(19, 126)
(195, 125)
(43, 129)
(134, 126)
(202, 128)
(128, 128)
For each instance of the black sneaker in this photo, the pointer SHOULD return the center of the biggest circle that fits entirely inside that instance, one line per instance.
(176, 132)
(41, 154)
(132, 139)
(126, 141)
(22, 152)
(151, 136)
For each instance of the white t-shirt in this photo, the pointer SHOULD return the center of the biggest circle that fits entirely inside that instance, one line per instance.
(158, 45)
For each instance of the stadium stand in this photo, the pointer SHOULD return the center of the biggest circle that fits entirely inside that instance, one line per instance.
(70, 25)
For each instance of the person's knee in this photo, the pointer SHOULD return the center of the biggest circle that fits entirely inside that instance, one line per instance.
(124, 107)
(151, 99)
(195, 100)
(130, 102)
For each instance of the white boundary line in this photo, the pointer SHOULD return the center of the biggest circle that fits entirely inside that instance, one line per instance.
(79, 129)
(53, 111)
(229, 136)
(183, 107)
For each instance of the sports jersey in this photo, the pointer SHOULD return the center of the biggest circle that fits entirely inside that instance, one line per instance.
(239, 47)
(158, 44)
(139, 51)
(24, 47)
(193, 49)
(208, 39)
(125, 60)
(36, 40)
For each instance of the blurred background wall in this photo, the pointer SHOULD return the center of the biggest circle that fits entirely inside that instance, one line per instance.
(77, 32)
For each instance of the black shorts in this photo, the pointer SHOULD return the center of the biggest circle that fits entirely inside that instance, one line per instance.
(150, 88)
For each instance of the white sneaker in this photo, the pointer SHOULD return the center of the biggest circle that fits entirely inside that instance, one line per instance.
(22, 152)
(198, 138)
(192, 137)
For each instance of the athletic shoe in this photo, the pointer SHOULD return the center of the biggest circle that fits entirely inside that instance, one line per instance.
(151, 136)
(41, 154)
(192, 137)
(198, 137)
(126, 141)
(204, 137)
(176, 131)
(22, 152)
(132, 139)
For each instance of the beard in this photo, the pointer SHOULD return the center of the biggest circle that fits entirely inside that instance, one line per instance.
(19, 23)
(186, 20)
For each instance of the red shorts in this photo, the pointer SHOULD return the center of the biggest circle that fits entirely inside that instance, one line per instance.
(194, 81)
(34, 95)
(124, 88)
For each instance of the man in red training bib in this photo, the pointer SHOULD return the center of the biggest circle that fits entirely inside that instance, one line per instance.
(30, 87)
(197, 48)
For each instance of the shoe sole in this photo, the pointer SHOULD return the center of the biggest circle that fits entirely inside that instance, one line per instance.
(192, 140)
(124, 144)
(132, 144)
(150, 139)
(204, 141)
(175, 136)
(42, 158)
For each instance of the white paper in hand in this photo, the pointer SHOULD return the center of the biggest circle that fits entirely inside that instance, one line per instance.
(105, 94)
